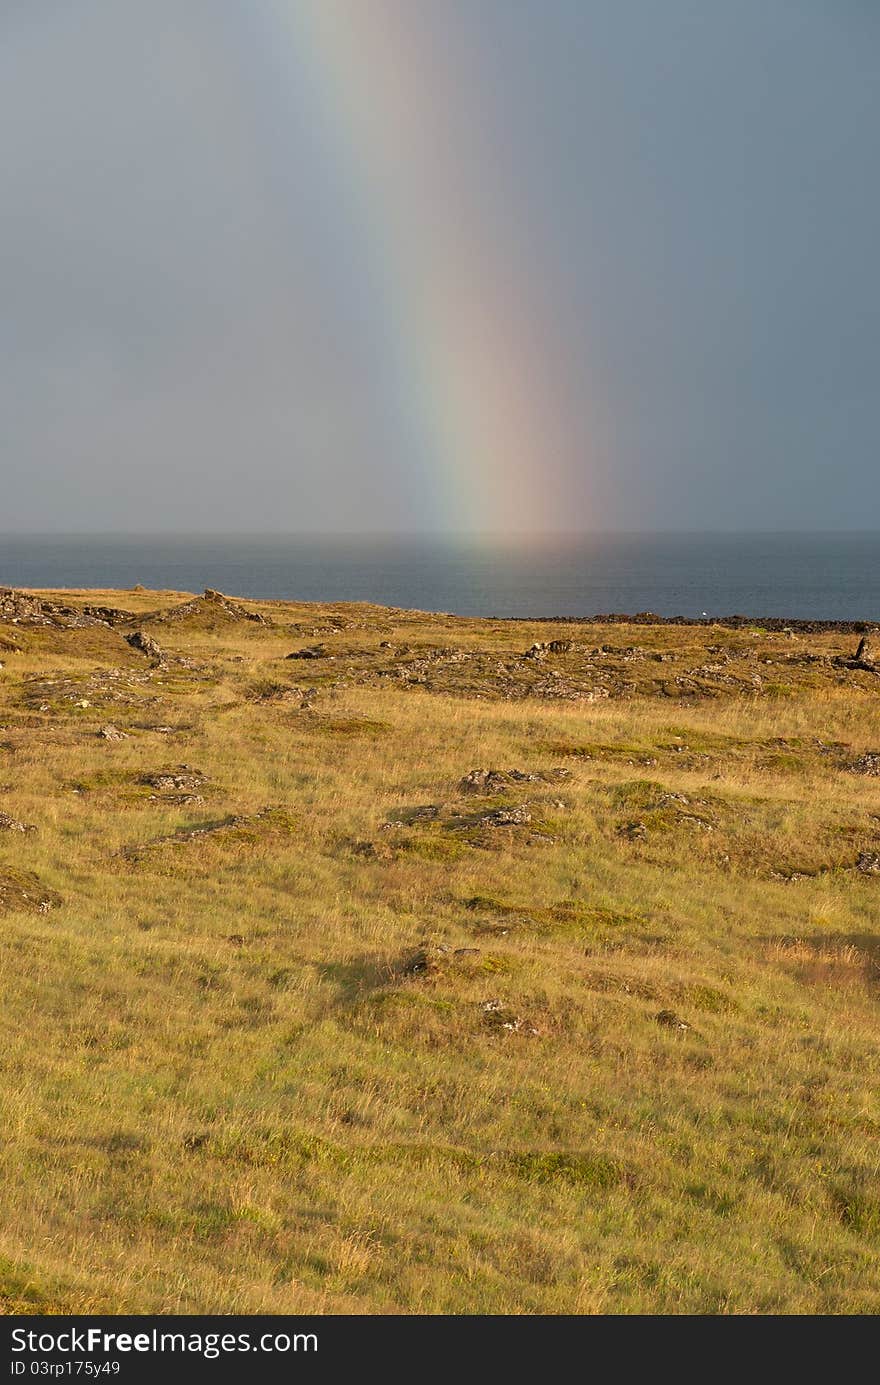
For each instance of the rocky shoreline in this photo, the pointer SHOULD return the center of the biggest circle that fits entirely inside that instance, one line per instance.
(738, 622)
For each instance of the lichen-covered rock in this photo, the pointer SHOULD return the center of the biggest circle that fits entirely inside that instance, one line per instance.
(146, 644)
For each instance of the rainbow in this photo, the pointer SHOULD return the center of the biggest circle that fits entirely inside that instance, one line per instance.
(466, 338)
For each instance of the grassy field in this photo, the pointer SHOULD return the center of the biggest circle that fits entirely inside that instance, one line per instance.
(299, 1014)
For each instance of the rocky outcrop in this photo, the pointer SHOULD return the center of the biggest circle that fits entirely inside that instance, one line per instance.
(869, 763)
(864, 658)
(146, 644)
(211, 604)
(507, 817)
(492, 781)
(22, 608)
(544, 647)
(314, 651)
(112, 733)
(11, 824)
(181, 777)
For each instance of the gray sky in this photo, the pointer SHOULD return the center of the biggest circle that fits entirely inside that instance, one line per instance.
(439, 264)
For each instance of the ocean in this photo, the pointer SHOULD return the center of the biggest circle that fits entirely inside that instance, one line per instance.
(823, 576)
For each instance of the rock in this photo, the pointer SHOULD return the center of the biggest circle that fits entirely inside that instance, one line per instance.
(11, 824)
(869, 862)
(112, 733)
(183, 799)
(430, 957)
(670, 1020)
(373, 851)
(483, 781)
(16, 606)
(864, 652)
(492, 781)
(507, 817)
(146, 644)
(517, 1025)
(542, 648)
(426, 958)
(864, 658)
(498, 1016)
(211, 602)
(695, 822)
(22, 608)
(314, 651)
(634, 831)
(181, 778)
(869, 763)
(232, 608)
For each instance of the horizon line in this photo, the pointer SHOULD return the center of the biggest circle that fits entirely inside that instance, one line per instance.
(386, 534)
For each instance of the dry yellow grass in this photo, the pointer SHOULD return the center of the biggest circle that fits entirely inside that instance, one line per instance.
(344, 1055)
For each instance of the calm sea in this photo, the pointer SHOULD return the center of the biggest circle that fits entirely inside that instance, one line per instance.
(819, 576)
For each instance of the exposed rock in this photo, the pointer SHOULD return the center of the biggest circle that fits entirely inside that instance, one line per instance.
(314, 651)
(507, 817)
(233, 608)
(188, 800)
(181, 777)
(869, 763)
(865, 652)
(426, 958)
(499, 1016)
(211, 602)
(869, 862)
(11, 824)
(146, 644)
(373, 851)
(670, 1020)
(112, 733)
(544, 647)
(634, 831)
(17, 606)
(21, 608)
(426, 812)
(266, 820)
(864, 658)
(492, 781)
(430, 957)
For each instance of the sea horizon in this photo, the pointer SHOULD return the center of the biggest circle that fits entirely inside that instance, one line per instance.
(797, 574)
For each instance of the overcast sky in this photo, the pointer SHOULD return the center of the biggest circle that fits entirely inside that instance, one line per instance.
(439, 264)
